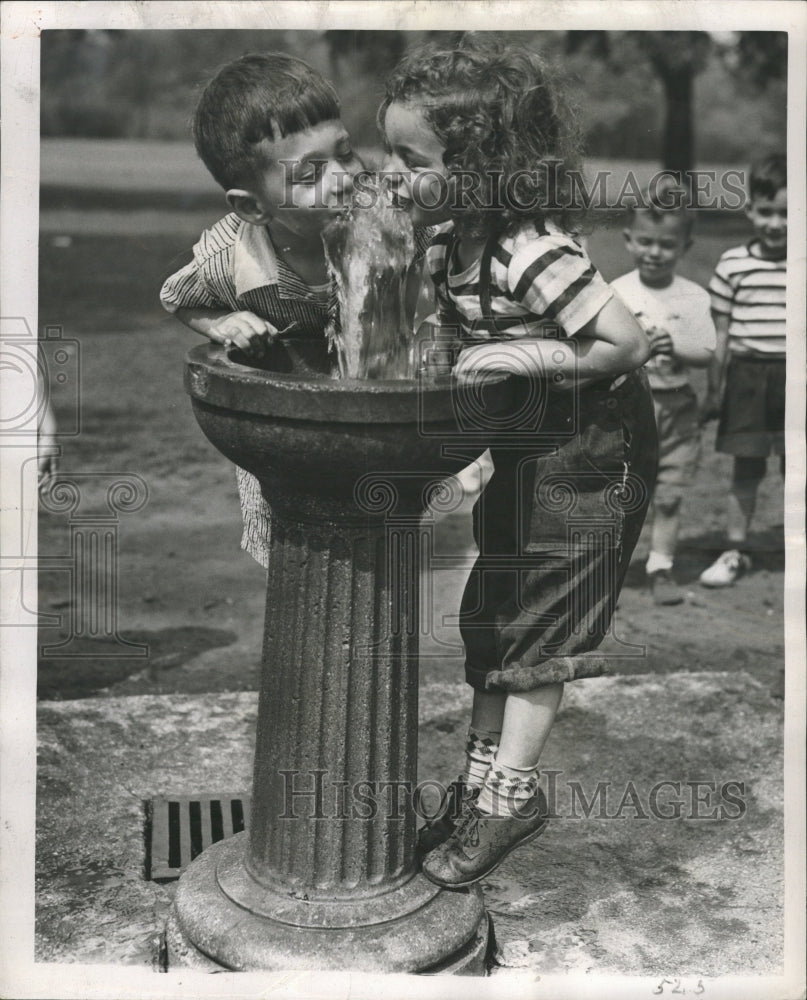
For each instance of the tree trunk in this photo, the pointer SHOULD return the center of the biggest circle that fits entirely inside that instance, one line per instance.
(679, 141)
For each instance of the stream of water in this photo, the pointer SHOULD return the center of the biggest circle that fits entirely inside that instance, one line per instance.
(369, 253)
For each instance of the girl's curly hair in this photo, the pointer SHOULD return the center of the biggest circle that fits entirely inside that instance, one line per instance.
(490, 102)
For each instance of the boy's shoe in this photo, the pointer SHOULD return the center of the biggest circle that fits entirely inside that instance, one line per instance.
(725, 570)
(663, 587)
(481, 842)
(449, 812)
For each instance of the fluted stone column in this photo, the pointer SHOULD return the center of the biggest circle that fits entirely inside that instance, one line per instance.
(338, 714)
(326, 876)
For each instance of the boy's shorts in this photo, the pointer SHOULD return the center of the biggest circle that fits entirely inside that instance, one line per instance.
(556, 527)
(679, 440)
(752, 414)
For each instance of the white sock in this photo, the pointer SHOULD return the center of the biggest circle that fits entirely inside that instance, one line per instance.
(657, 561)
(507, 789)
(480, 750)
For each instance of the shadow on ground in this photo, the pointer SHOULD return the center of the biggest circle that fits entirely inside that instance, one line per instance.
(96, 664)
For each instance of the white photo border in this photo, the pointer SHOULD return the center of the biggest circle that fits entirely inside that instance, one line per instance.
(21, 25)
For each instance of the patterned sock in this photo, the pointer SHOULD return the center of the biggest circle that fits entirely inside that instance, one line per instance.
(480, 750)
(507, 789)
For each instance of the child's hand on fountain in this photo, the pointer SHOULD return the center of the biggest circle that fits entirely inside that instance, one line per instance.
(243, 330)
(247, 332)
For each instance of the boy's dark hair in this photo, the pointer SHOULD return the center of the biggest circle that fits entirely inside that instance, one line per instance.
(663, 201)
(490, 102)
(259, 96)
(768, 176)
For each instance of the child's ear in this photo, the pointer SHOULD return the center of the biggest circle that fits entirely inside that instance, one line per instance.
(626, 233)
(247, 207)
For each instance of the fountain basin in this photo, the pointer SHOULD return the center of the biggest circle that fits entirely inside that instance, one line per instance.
(309, 434)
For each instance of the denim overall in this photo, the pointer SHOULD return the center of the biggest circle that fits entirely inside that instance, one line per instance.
(556, 526)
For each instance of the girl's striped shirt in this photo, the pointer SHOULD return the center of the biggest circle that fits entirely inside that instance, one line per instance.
(542, 283)
(751, 292)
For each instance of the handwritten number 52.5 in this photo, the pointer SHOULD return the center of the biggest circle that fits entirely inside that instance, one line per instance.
(677, 988)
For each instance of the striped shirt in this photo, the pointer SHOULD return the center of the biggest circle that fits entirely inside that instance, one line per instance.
(235, 267)
(541, 280)
(751, 292)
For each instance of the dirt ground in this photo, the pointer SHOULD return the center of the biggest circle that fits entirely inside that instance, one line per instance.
(188, 595)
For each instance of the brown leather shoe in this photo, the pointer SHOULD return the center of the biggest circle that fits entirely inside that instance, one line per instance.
(480, 843)
(438, 830)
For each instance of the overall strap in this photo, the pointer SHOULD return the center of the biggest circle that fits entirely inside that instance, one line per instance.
(484, 279)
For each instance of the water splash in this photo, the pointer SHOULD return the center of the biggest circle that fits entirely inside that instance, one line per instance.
(369, 253)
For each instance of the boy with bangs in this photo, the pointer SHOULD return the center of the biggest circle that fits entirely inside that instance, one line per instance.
(269, 130)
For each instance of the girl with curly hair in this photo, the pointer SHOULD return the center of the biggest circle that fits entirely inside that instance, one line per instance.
(477, 145)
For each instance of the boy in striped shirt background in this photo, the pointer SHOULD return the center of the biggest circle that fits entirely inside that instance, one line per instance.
(747, 376)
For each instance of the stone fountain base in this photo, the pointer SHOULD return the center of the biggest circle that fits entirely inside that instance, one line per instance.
(222, 919)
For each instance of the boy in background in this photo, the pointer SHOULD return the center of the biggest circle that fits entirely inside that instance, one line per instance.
(747, 375)
(674, 313)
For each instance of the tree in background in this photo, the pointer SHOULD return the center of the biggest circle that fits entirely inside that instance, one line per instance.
(636, 91)
(364, 51)
(676, 58)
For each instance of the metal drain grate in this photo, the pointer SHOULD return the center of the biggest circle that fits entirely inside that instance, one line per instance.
(182, 826)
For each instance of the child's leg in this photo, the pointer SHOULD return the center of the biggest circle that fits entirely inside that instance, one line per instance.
(528, 718)
(481, 746)
(488, 710)
(742, 501)
(664, 538)
(664, 535)
(483, 736)
(513, 777)
(511, 809)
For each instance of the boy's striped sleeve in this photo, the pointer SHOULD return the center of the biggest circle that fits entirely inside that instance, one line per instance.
(186, 289)
(554, 279)
(423, 237)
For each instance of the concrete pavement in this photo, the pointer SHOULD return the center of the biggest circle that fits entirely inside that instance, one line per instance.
(621, 891)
